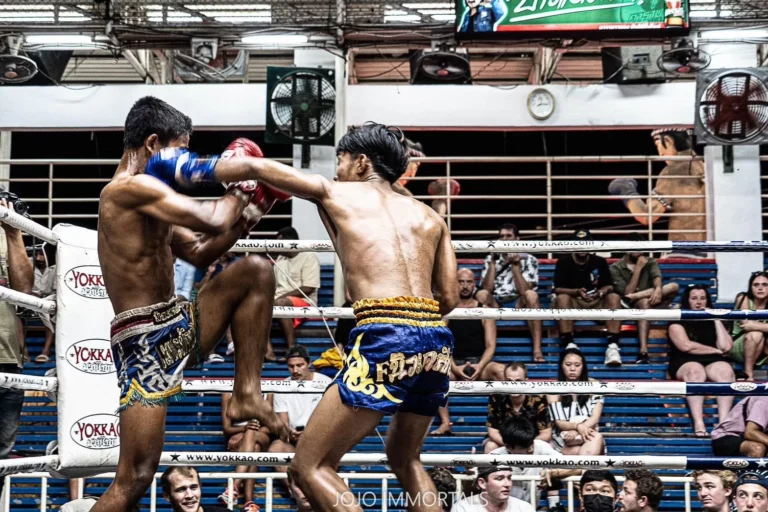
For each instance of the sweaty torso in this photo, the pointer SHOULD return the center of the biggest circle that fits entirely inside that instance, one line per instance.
(134, 253)
(694, 185)
(386, 242)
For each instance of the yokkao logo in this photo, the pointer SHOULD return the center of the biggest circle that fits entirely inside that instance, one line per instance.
(97, 432)
(86, 281)
(735, 463)
(743, 386)
(92, 356)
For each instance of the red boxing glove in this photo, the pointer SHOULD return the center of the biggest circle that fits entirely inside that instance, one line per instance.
(242, 147)
(440, 187)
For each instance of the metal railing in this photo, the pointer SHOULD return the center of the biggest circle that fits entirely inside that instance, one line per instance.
(384, 478)
(555, 208)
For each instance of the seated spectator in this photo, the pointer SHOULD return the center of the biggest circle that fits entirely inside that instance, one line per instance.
(182, 489)
(511, 280)
(495, 485)
(519, 436)
(297, 495)
(744, 431)
(583, 280)
(637, 279)
(445, 483)
(251, 437)
(715, 489)
(502, 406)
(751, 494)
(576, 417)
(697, 354)
(45, 286)
(749, 345)
(598, 491)
(474, 345)
(642, 491)
(297, 275)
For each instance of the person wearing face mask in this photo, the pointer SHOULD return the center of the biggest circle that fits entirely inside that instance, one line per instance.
(715, 489)
(495, 484)
(642, 491)
(598, 491)
(749, 345)
(751, 493)
(637, 278)
(181, 488)
(697, 354)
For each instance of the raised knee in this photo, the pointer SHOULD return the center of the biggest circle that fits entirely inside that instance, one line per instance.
(482, 296)
(643, 304)
(754, 337)
(673, 288)
(531, 298)
(563, 301)
(612, 300)
(753, 449)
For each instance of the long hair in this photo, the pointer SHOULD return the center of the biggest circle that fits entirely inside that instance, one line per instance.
(567, 400)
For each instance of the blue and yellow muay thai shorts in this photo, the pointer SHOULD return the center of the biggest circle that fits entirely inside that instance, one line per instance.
(398, 357)
(151, 346)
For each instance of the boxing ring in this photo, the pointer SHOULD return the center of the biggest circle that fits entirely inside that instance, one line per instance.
(88, 428)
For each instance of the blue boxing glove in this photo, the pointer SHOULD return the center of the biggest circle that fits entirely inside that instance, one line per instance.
(179, 167)
(623, 187)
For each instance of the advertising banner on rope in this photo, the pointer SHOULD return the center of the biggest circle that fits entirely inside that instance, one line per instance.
(88, 395)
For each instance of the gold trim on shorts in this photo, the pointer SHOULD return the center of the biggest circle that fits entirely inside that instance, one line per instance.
(413, 311)
(145, 396)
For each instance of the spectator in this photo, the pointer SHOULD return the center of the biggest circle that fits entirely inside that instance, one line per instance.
(182, 489)
(185, 276)
(503, 406)
(297, 275)
(519, 436)
(495, 485)
(743, 431)
(598, 491)
(298, 496)
(583, 280)
(445, 483)
(642, 491)
(437, 187)
(749, 345)
(576, 417)
(697, 354)
(44, 286)
(15, 273)
(637, 279)
(512, 279)
(715, 488)
(751, 493)
(250, 437)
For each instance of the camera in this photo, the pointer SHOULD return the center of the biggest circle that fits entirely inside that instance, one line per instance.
(19, 206)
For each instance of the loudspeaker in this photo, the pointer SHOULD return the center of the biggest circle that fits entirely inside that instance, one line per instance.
(440, 67)
(631, 65)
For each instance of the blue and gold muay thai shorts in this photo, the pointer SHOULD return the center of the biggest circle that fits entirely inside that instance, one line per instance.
(151, 346)
(398, 357)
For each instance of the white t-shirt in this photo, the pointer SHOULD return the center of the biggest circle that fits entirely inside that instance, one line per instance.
(475, 504)
(299, 406)
(522, 489)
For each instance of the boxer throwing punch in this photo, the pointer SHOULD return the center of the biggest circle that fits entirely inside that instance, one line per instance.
(143, 224)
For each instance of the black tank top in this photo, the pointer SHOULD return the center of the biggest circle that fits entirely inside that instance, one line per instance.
(469, 339)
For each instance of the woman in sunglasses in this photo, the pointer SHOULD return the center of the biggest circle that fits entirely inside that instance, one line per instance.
(749, 345)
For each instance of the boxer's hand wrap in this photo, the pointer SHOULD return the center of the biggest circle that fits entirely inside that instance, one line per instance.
(664, 202)
(178, 167)
(623, 187)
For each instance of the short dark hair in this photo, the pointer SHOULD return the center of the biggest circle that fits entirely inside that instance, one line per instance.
(681, 139)
(385, 147)
(297, 351)
(515, 365)
(150, 115)
(518, 432)
(165, 480)
(648, 485)
(598, 475)
(288, 233)
(445, 484)
(511, 227)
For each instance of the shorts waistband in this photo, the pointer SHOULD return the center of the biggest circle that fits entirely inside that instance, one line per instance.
(145, 319)
(413, 311)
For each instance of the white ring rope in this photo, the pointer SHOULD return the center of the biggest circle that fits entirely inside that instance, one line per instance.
(27, 225)
(28, 464)
(28, 382)
(28, 301)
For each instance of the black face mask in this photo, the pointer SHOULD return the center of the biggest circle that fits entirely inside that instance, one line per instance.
(597, 503)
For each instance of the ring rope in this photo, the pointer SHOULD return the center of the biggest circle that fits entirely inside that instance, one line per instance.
(28, 382)
(28, 301)
(28, 464)
(27, 225)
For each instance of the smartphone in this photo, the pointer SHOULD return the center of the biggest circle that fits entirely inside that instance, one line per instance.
(469, 371)
(300, 428)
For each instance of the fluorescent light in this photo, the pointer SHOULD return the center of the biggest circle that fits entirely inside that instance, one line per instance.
(276, 39)
(58, 39)
(734, 34)
(236, 14)
(406, 17)
(444, 17)
(227, 7)
(433, 5)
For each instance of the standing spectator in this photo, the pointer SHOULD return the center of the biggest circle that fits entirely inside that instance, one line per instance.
(182, 489)
(44, 286)
(583, 280)
(576, 417)
(715, 489)
(15, 273)
(749, 345)
(637, 279)
(184, 279)
(296, 275)
(751, 493)
(697, 354)
(495, 484)
(744, 430)
(503, 406)
(512, 279)
(598, 491)
(642, 491)
(445, 483)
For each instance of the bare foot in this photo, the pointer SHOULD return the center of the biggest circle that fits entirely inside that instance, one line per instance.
(538, 357)
(443, 430)
(255, 407)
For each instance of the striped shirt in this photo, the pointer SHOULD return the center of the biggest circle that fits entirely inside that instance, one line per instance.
(575, 413)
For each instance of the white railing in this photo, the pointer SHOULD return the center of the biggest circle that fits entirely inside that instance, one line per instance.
(386, 495)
